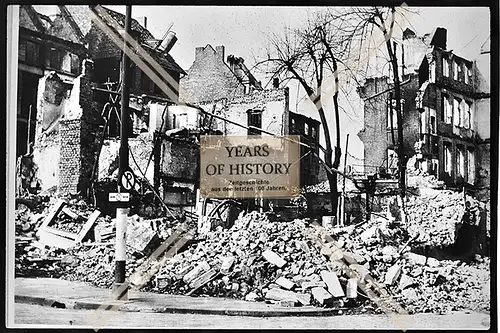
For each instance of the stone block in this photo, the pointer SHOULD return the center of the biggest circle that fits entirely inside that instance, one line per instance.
(285, 283)
(392, 274)
(414, 258)
(227, 263)
(285, 295)
(141, 237)
(405, 282)
(352, 288)
(312, 284)
(332, 282)
(273, 258)
(194, 273)
(321, 295)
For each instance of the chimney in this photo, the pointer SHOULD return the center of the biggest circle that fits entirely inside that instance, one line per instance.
(198, 52)
(169, 41)
(439, 38)
(220, 50)
(276, 82)
(234, 64)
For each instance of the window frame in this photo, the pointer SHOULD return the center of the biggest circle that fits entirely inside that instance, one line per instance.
(447, 158)
(447, 109)
(252, 115)
(445, 66)
(457, 112)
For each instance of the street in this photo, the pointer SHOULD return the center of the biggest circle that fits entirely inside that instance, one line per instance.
(27, 315)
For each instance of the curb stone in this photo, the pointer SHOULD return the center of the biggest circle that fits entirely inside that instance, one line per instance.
(127, 307)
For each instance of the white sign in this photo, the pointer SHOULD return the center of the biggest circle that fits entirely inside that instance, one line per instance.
(119, 197)
(249, 167)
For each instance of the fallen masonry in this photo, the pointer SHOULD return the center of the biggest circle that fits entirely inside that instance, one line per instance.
(289, 263)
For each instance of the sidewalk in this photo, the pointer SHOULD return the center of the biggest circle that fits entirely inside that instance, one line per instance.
(78, 295)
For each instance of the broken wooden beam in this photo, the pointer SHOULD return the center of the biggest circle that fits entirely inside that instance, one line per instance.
(70, 213)
(202, 280)
(87, 226)
(56, 209)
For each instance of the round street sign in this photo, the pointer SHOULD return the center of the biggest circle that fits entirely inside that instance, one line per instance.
(128, 180)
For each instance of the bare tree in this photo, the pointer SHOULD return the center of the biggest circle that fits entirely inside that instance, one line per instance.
(325, 47)
(311, 56)
(384, 20)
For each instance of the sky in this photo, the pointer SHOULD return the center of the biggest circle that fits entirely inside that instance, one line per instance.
(244, 30)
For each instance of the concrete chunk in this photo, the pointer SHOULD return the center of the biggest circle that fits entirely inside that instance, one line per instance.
(195, 272)
(326, 251)
(141, 237)
(227, 263)
(332, 283)
(285, 295)
(414, 258)
(288, 304)
(405, 282)
(432, 262)
(392, 274)
(285, 283)
(352, 288)
(312, 284)
(203, 278)
(321, 295)
(273, 258)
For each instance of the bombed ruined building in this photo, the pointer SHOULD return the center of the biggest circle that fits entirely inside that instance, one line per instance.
(57, 87)
(445, 112)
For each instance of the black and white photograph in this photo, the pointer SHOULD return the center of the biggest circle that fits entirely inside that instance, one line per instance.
(251, 166)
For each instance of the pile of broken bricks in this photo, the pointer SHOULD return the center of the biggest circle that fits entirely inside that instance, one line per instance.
(281, 262)
(43, 232)
(259, 260)
(262, 260)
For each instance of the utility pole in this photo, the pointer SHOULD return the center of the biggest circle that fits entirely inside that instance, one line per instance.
(122, 206)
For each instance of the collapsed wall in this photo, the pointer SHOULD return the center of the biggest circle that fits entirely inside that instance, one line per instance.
(66, 131)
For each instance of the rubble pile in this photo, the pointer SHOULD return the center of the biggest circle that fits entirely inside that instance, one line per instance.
(437, 215)
(256, 260)
(418, 283)
(290, 263)
(324, 186)
(94, 262)
(442, 286)
(31, 257)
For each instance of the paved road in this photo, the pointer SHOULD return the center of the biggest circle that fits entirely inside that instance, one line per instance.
(27, 315)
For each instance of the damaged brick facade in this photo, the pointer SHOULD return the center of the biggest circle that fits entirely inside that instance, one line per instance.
(67, 128)
(445, 118)
(265, 109)
(69, 120)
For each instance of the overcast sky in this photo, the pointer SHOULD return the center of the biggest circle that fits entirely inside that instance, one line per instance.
(243, 29)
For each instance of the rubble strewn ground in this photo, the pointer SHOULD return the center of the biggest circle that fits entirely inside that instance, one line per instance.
(261, 258)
